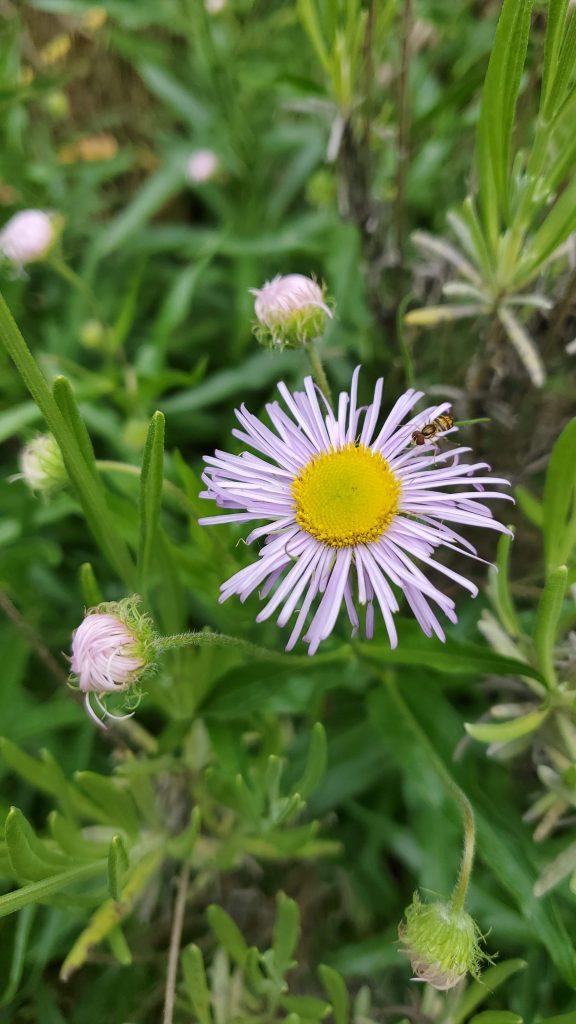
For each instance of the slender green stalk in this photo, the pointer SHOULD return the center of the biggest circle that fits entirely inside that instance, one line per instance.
(71, 277)
(460, 889)
(318, 370)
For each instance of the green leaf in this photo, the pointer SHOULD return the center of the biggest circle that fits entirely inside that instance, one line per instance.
(91, 593)
(285, 936)
(66, 402)
(228, 934)
(88, 488)
(118, 865)
(556, 871)
(448, 659)
(309, 19)
(72, 842)
(497, 1017)
(119, 946)
(558, 225)
(196, 983)
(37, 892)
(158, 189)
(547, 620)
(21, 940)
(482, 989)
(315, 762)
(529, 506)
(337, 992)
(30, 858)
(498, 107)
(565, 32)
(503, 732)
(506, 609)
(110, 796)
(559, 507)
(557, 10)
(151, 480)
(306, 1006)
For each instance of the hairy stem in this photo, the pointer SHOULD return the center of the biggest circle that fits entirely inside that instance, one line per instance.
(459, 893)
(318, 370)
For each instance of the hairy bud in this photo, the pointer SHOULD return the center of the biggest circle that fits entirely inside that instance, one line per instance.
(291, 311)
(441, 942)
(41, 465)
(112, 650)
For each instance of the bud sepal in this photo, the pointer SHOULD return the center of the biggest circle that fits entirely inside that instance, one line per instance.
(442, 942)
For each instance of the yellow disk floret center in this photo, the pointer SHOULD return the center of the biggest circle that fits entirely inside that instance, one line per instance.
(346, 496)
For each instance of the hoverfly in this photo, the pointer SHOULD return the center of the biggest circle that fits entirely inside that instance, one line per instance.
(431, 430)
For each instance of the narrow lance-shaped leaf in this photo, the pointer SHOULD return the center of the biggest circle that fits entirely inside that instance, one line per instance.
(337, 992)
(228, 934)
(557, 10)
(118, 864)
(30, 858)
(151, 480)
(559, 508)
(499, 98)
(547, 619)
(315, 762)
(481, 990)
(37, 892)
(91, 593)
(285, 935)
(196, 983)
(504, 732)
(88, 488)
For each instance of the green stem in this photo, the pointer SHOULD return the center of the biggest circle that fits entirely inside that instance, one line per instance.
(318, 370)
(459, 893)
(71, 277)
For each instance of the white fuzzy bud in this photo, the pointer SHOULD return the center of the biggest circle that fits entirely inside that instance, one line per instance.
(291, 311)
(41, 464)
(28, 236)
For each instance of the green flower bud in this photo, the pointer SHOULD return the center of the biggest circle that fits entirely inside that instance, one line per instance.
(41, 465)
(441, 942)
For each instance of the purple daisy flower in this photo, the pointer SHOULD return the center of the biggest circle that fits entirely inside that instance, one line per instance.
(351, 512)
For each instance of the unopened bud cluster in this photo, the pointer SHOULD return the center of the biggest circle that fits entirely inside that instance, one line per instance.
(442, 943)
(291, 311)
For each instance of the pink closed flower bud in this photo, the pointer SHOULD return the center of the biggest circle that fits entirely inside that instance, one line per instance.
(112, 649)
(202, 166)
(28, 236)
(291, 311)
